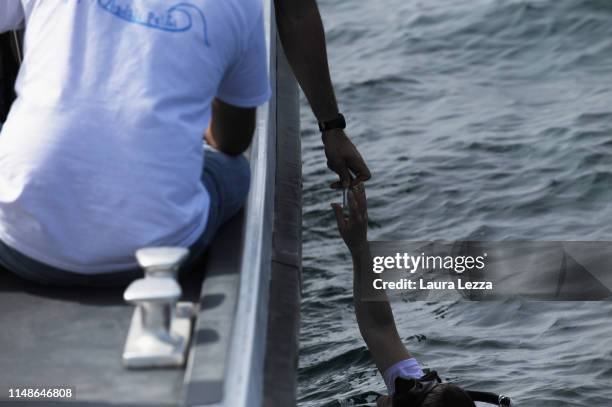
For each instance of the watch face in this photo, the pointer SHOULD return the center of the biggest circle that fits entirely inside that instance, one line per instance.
(340, 121)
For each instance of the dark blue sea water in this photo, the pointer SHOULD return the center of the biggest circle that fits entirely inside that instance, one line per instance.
(482, 120)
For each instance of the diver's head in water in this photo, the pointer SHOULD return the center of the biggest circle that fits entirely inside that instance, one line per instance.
(414, 393)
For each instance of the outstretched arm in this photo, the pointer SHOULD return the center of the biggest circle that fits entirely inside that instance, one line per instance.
(372, 309)
(300, 30)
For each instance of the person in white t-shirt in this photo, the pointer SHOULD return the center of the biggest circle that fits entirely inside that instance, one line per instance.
(406, 383)
(102, 151)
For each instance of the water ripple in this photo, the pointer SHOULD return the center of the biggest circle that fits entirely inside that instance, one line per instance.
(481, 119)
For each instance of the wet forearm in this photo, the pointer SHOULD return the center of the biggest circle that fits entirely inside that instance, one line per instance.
(375, 317)
(301, 32)
(371, 305)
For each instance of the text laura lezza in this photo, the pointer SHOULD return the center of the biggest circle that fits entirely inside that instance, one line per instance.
(424, 284)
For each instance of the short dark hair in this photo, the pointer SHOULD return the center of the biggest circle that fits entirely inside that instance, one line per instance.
(448, 395)
(443, 395)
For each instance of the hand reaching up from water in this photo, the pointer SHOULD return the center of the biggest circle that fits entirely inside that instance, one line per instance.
(354, 226)
(372, 308)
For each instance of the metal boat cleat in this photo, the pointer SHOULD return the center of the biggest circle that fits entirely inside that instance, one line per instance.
(160, 330)
(161, 261)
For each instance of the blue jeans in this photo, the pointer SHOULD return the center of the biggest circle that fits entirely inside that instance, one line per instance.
(226, 179)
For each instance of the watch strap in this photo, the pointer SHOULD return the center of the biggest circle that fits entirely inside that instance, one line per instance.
(339, 122)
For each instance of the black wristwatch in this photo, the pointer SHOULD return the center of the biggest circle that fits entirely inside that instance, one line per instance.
(337, 123)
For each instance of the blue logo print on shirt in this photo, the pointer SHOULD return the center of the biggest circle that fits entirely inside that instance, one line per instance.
(179, 17)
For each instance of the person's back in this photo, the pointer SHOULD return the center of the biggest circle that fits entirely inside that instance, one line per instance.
(101, 153)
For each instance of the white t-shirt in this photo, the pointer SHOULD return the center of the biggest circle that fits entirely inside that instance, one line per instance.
(408, 369)
(102, 151)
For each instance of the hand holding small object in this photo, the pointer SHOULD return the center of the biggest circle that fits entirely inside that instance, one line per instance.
(353, 226)
(344, 159)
